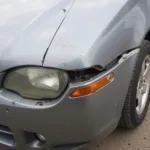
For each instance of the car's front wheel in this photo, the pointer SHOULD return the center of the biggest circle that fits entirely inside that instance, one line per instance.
(137, 101)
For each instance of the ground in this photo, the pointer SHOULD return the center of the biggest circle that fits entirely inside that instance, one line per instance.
(121, 139)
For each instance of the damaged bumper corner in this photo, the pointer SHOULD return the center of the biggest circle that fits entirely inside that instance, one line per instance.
(66, 120)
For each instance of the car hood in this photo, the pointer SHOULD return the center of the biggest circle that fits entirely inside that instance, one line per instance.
(27, 27)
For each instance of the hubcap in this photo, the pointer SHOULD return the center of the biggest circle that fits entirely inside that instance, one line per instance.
(143, 86)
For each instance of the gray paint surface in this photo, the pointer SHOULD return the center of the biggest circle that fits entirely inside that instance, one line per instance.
(91, 33)
(69, 35)
(96, 32)
(65, 120)
(26, 29)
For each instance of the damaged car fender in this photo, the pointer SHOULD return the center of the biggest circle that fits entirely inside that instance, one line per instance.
(90, 37)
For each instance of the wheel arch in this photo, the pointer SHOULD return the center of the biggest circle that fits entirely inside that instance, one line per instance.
(147, 35)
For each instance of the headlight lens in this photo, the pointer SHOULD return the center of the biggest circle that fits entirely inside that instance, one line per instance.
(36, 82)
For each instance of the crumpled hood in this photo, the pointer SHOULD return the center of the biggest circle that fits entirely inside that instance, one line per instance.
(27, 27)
(95, 32)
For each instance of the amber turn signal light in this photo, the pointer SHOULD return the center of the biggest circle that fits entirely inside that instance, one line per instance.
(93, 87)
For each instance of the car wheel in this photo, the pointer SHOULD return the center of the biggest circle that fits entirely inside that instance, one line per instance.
(138, 96)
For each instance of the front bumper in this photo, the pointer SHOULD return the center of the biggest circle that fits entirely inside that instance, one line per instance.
(65, 121)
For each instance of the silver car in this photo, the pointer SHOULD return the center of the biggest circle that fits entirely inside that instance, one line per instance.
(71, 70)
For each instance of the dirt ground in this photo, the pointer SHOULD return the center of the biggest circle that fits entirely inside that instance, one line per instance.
(121, 139)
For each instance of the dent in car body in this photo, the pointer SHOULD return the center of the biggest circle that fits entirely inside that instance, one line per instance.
(93, 33)
(96, 32)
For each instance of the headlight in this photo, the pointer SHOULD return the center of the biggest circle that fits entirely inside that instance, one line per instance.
(36, 82)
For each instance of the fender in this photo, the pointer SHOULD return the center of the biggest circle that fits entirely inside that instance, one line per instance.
(96, 32)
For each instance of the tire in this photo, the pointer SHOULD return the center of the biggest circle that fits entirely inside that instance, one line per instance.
(131, 117)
